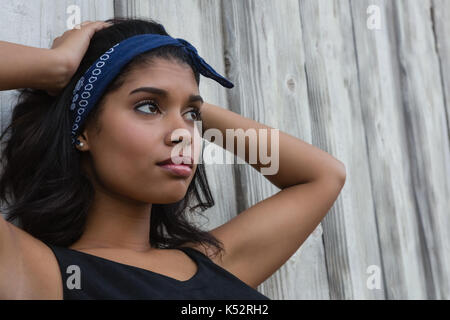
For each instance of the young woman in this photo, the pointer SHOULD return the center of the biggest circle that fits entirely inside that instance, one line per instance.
(102, 218)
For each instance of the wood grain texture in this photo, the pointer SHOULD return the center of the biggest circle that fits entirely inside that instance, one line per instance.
(338, 128)
(426, 130)
(440, 15)
(265, 52)
(383, 121)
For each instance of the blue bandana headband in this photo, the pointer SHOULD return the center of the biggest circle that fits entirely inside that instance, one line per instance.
(94, 82)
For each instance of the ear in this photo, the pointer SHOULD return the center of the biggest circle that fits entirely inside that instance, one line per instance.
(84, 140)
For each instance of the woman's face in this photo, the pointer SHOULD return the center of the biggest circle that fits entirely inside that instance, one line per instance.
(137, 134)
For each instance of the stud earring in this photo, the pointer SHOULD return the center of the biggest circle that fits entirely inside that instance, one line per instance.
(81, 144)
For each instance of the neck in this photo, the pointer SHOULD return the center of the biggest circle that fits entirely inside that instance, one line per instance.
(115, 222)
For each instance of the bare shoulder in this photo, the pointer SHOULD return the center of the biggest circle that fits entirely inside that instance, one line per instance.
(36, 270)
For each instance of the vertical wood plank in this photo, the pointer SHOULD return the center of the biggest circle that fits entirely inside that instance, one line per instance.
(265, 53)
(350, 230)
(380, 92)
(428, 143)
(440, 16)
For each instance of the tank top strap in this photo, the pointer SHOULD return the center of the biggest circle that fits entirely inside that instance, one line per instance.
(59, 254)
(196, 254)
(213, 274)
(204, 263)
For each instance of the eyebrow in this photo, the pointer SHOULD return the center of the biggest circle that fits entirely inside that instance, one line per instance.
(164, 93)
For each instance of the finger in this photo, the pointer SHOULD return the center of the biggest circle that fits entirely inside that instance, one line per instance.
(85, 23)
(93, 23)
(100, 25)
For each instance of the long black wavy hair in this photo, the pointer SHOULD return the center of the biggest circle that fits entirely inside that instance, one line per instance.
(42, 179)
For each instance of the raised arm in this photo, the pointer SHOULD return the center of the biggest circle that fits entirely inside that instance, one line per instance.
(299, 161)
(259, 240)
(29, 67)
(46, 69)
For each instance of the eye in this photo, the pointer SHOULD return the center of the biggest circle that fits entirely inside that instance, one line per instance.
(146, 102)
(197, 113)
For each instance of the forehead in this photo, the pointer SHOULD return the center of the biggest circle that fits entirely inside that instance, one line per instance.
(163, 73)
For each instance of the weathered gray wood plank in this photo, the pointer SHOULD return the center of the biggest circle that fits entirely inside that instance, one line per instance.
(338, 128)
(428, 144)
(265, 50)
(383, 118)
(441, 25)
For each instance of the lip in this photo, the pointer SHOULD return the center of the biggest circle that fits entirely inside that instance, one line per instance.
(181, 170)
(187, 161)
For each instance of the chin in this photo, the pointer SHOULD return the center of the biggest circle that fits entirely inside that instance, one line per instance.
(171, 197)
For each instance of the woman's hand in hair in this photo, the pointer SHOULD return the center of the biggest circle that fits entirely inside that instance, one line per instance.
(71, 47)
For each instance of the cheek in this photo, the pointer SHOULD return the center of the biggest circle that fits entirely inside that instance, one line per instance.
(128, 136)
(124, 158)
(124, 171)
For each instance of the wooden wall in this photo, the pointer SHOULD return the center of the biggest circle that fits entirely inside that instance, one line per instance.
(376, 99)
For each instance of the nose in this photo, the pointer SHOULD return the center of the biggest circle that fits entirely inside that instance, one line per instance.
(178, 130)
(186, 132)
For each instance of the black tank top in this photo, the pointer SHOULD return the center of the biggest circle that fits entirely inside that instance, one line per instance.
(86, 276)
